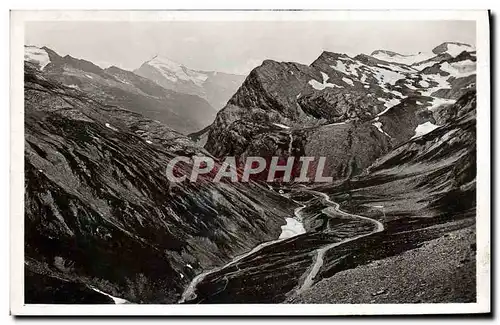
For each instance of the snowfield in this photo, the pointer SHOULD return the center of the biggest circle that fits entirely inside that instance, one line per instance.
(460, 69)
(455, 49)
(403, 59)
(320, 86)
(292, 228)
(36, 55)
(349, 68)
(174, 71)
(424, 128)
(421, 66)
(442, 83)
(437, 102)
(387, 76)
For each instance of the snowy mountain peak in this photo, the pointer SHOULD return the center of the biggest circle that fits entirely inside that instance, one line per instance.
(174, 71)
(214, 87)
(452, 48)
(36, 55)
(424, 59)
(408, 59)
(163, 60)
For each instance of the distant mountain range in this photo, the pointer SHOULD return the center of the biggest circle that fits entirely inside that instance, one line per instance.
(215, 87)
(352, 109)
(184, 107)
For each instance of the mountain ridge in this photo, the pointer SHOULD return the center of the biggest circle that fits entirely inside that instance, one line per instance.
(185, 113)
(333, 94)
(215, 87)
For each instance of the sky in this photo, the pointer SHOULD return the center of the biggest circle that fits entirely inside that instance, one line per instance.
(238, 47)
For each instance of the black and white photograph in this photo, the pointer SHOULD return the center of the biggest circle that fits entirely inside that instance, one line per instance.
(293, 162)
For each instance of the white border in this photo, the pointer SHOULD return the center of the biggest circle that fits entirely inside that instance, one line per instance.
(17, 166)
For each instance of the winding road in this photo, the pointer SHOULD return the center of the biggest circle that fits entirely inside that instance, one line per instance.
(190, 292)
(309, 280)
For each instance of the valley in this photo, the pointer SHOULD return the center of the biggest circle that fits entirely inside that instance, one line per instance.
(392, 138)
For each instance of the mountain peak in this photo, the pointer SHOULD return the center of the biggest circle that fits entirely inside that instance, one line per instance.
(452, 48)
(173, 71)
(389, 53)
(395, 57)
(164, 61)
(36, 55)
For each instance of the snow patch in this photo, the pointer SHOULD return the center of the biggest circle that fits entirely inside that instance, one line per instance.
(89, 76)
(123, 81)
(349, 68)
(148, 141)
(320, 86)
(385, 76)
(281, 126)
(397, 68)
(403, 59)
(389, 103)
(396, 93)
(437, 102)
(459, 69)
(348, 81)
(424, 128)
(338, 123)
(423, 83)
(292, 228)
(378, 125)
(118, 301)
(455, 49)
(442, 83)
(109, 126)
(36, 55)
(422, 65)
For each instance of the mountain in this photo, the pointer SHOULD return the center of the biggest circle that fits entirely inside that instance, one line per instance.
(103, 223)
(409, 208)
(446, 50)
(215, 87)
(100, 213)
(349, 109)
(182, 112)
(425, 189)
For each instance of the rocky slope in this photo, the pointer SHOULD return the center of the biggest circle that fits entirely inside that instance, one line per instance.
(215, 87)
(440, 263)
(423, 190)
(434, 173)
(100, 212)
(182, 112)
(350, 109)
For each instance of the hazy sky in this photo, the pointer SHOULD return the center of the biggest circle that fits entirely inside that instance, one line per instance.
(237, 47)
